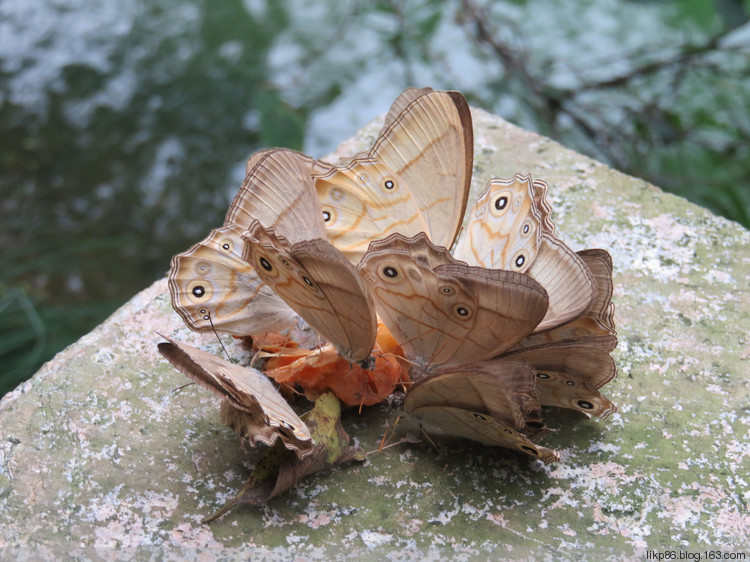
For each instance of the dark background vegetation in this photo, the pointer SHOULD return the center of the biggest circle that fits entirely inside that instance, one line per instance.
(124, 125)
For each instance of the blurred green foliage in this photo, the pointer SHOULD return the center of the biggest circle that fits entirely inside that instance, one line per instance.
(122, 140)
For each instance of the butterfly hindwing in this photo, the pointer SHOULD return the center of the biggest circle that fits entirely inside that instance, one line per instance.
(493, 402)
(213, 288)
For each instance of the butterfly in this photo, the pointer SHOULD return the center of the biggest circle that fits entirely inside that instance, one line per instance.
(452, 320)
(251, 405)
(285, 242)
(415, 178)
(509, 228)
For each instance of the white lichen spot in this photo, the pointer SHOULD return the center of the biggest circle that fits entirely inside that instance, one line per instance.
(716, 389)
(375, 538)
(293, 538)
(104, 356)
(497, 519)
(584, 167)
(407, 456)
(605, 447)
(566, 530)
(485, 143)
(600, 211)
(715, 276)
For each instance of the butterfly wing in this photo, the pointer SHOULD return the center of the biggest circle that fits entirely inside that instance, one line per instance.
(320, 284)
(493, 402)
(212, 287)
(278, 192)
(505, 227)
(572, 360)
(569, 376)
(269, 416)
(416, 177)
(402, 102)
(509, 228)
(443, 311)
(595, 325)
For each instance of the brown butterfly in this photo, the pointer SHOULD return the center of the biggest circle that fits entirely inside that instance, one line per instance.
(251, 404)
(453, 319)
(285, 242)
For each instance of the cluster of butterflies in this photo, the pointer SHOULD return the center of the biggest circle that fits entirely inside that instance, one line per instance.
(511, 320)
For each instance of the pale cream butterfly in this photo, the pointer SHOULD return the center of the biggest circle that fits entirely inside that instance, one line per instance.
(509, 228)
(214, 288)
(415, 178)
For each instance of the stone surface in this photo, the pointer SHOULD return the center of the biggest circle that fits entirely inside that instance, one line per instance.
(103, 450)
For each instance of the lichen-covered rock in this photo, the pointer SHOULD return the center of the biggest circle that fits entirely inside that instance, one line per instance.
(102, 448)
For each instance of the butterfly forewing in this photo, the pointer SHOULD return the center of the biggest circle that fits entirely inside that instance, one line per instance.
(595, 326)
(320, 284)
(443, 311)
(279, 193)
(402, 102)
(269, 416)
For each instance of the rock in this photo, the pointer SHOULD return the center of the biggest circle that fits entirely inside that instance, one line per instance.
(103, 449)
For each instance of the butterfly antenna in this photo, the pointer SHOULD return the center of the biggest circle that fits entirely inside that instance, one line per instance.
(291, 389)
(181, 387)
(255, 356)
(427, 436)
(210, 321)
(393, 431)
(389, 352)
(385, 439)
(364, 394)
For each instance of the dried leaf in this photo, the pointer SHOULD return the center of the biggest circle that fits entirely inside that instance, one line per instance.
(331, 448)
